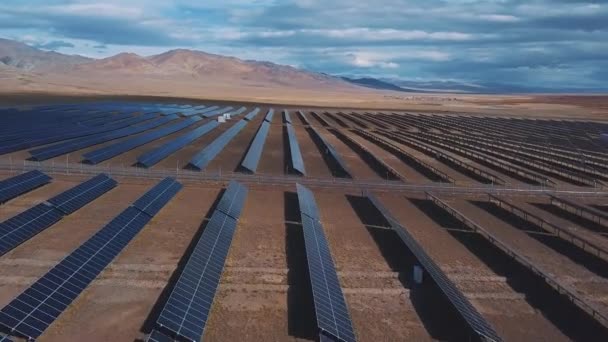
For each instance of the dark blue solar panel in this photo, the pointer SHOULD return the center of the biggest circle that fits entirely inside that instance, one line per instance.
(5, 339)
(297, 163)
(150, 158)
(15, 186)
(329, 149)
(158, 196)
(252, 158)
(233, 200)
(205, 156)
(307, 202)
(186, 312)
(37, 307)
(470, 315)
(252, 114)
(80, 195)
(286, 116)
(217, 112)
(77, 144)
(157, 336)
(269, 115)
(332, 314)
(111, 151)
(23, 226)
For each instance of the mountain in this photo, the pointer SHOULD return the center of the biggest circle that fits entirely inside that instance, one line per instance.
(23, 57)
(174, 66)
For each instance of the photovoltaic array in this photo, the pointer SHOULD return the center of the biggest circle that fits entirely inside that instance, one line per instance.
(297, 162)
(333, 318)
(30, 314)
(27, 224)
(329, 149)
(252, 158)
(152, 157)
(99, 155)
(477, 324)
(18, 185)
(206, 155)
(186, 312)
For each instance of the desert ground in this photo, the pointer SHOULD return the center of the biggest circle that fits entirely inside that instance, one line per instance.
(518, 257)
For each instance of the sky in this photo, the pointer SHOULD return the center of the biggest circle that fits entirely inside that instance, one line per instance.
(533, 43)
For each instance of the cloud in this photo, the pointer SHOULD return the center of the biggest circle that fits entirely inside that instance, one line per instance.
(54, 45)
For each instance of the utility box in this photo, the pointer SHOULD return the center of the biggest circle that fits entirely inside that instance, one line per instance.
(227, 116)
(221, 119)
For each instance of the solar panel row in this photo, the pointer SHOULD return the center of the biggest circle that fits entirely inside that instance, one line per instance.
(329, 149)
(238, 111)
(217, 112)
(15, 186)
(286, 117)
(5, 339)
(304, 118)
(206, 155)
(252, 114)
(111, 151)
(37, 307)
(152, 157)
(297, 162)
(157, 336)
(187, 310)
(77, 144)
(333, 317)
(478, 325)
(158, 196)
(252, 158)
(269, 115)
(27, 224)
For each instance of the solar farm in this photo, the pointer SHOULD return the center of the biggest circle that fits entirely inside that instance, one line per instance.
(132, 221)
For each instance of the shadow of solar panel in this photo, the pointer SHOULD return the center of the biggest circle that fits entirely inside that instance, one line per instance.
(332, 151)
(269, 115)
(77, 144)
(252, 114)
(82, 194)
(38, 306)
(297, 163)
(111, 151)
(205, 156)
(307, 202)
(332, 314)
(286, 116)
(23, 226)
(304, 118)
(157, 336)
(252, 158)
(18, 185)
(150, 158)
(158, 196)
(233, 200)
(469, 314)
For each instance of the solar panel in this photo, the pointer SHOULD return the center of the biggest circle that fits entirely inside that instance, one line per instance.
(15, 186)
(38, 306)
(217, 112)
(332, 151)
(252, 158)
(152, 157)
(157, 336)
(307, 202)
(82, 194)
(77, 144)
(238, 111)
(471, 316)
(23, 226)
(297, 163)
(187, 310)
(5, 339)
(233, 200)
(158, 196)
(252, 114)
(113, 150)
(333, 318)
(286, 116)
(304, 118)
(269, 115)
(209, 109)
(206, 155)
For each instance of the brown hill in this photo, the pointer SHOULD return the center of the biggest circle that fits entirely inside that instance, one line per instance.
(21, 56)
